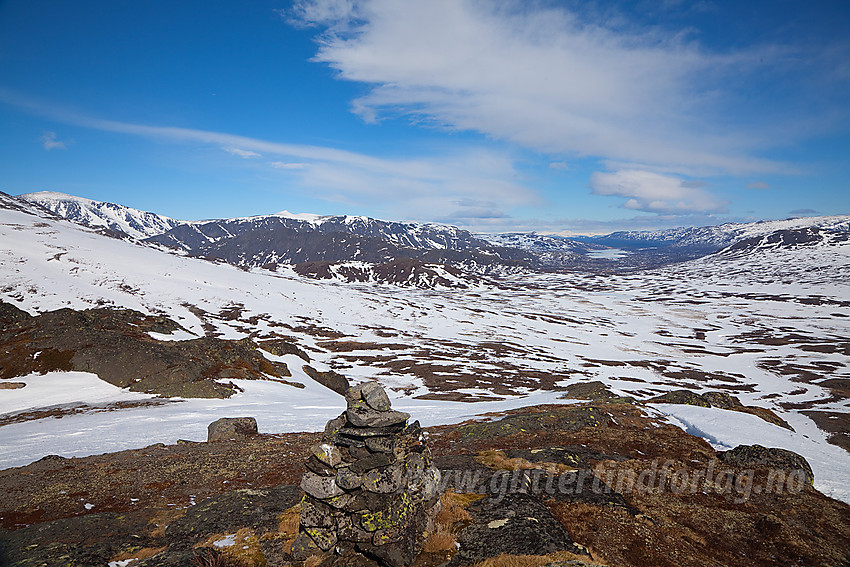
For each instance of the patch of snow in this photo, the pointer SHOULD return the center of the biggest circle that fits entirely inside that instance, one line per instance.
(63, 388)
(178, 335)
(726, 430)
(227, 541)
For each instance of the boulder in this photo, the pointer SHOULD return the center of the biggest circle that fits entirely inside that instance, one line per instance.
(756, 456)
(232, 429)
(330, 379)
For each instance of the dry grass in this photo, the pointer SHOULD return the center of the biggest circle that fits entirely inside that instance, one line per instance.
(139, 554)
(453, 509)
(440, 540)
(505, 560)
(212, 558)
(163, 518)
(313, 560)
(498, 460)
(245, 551)
(289, 520)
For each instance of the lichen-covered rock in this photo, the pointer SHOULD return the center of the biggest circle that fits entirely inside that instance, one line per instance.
(756, 456)
(362, 415)
(232, 429)
(518, 525)
(383, 481)
(371, 484)
(685, 397)
(303, 547)
(328, 453)
(722, 400)
(320, 487)
(348, 479)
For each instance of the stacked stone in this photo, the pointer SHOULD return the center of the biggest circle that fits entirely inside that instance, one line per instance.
(370, 486)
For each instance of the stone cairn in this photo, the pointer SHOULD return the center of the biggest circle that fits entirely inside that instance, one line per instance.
(370, 485)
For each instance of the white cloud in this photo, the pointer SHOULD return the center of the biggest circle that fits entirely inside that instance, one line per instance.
(541, 77)
(758, 185)
(287, 165)
(421, 188)
(657, 193)
(49, 142)
(246, 154)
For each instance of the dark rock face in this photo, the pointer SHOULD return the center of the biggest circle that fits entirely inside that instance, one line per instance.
(756, 456)
(685, 397)
(518, 525)
(370, 484)
(720, 400)
(330, 379)
(232, 429)
(115, 345)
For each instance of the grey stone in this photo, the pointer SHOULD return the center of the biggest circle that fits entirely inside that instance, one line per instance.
(757, 456)
(321, 487)
(383, 537)
(361, 415)
(347, 479)
(347, 530)
(317, 514)
(349, 442)
(328, 453)
(343, 501)
(358, 453)
(364, 432)
(414, 468)
(303, 547)
(371, 462)
(334, 425)
(385, 480)
(380, 444)
(324, 538)
(430, 483)
(318, 467)
(375, 396)
(232, 429)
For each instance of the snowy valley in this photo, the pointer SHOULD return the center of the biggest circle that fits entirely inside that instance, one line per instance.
(767, 324)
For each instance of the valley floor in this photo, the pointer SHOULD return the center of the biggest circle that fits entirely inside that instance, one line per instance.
(771, 329)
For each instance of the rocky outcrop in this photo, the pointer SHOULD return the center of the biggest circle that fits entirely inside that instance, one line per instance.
(720, 400)
(232, 429)
(329, 379)
(370, 485)
(116, 345)
(756, 456)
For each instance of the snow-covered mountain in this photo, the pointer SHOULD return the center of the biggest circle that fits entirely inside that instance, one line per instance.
(825, 235)
(118, 218)
(769, 326)
(281, 240)
(721, 235)
(337, 241)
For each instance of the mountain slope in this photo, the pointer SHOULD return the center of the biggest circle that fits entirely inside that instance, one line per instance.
(119, 218)
(721, 235)
(280, 240)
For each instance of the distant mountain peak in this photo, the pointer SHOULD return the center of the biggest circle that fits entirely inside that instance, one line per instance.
(97, 214)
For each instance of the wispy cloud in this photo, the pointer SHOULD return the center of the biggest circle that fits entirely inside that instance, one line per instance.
(548, 79)
(49, 142)
(246, 154)
(420, 188)
(758, 185)
(653, 192)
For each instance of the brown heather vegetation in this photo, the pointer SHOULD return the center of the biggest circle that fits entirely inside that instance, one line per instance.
(635, 529)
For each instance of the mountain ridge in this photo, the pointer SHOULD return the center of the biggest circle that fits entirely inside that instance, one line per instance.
(328, 242)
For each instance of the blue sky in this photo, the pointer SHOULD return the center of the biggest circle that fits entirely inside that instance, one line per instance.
(562, 117)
